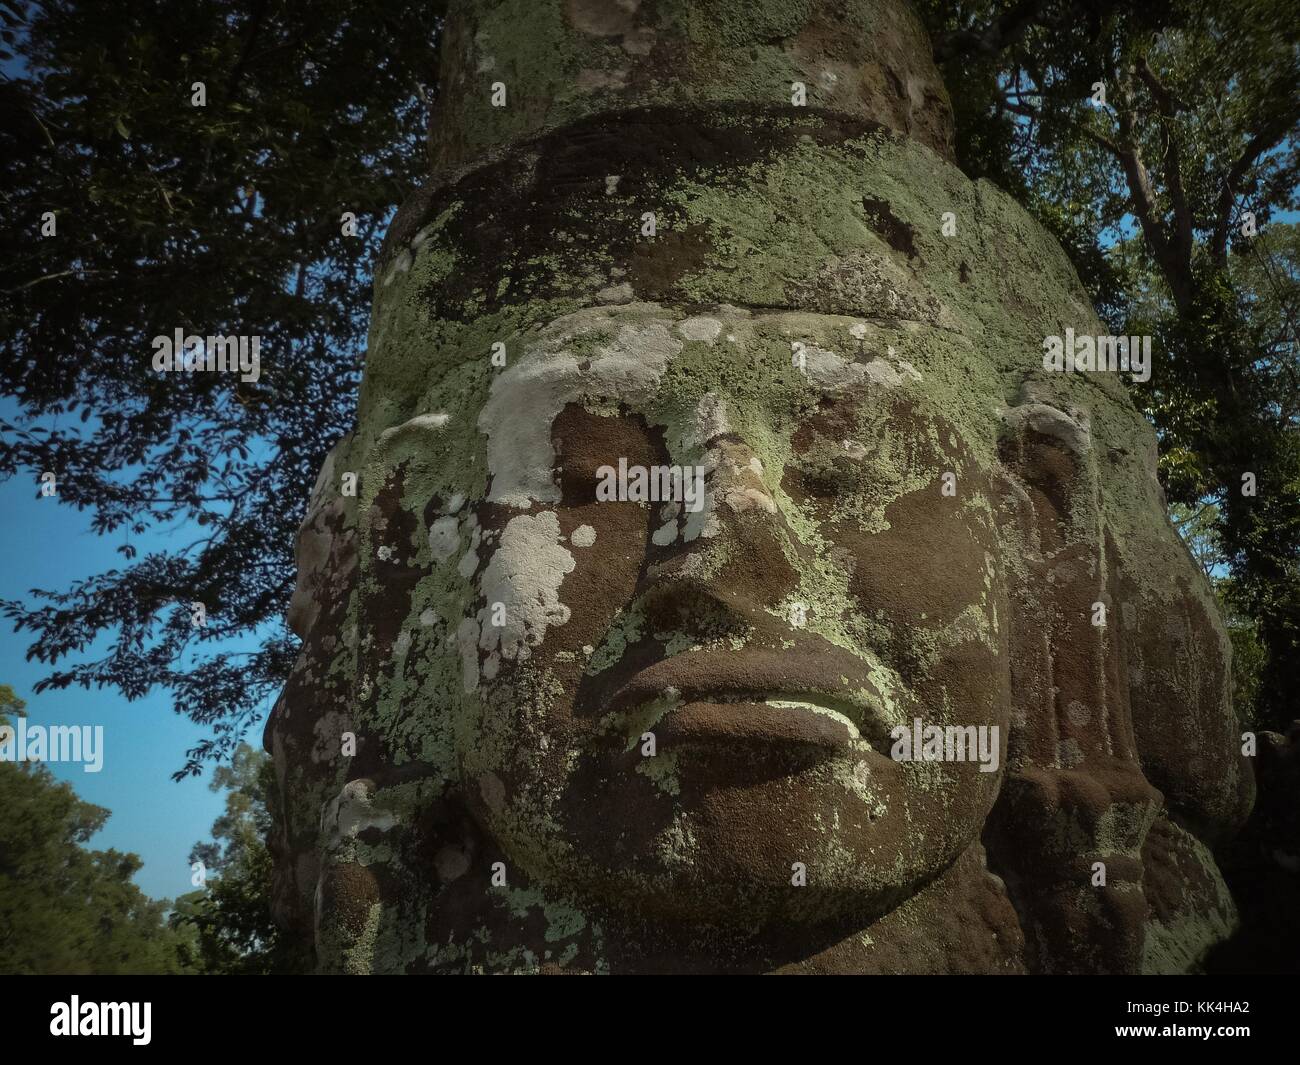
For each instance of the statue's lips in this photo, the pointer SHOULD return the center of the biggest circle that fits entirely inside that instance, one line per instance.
(826, 698)
(748, 722)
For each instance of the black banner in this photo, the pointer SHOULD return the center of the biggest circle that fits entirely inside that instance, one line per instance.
(150, 1014)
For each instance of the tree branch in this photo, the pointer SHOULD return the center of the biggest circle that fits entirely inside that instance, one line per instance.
(53, 277)
(1004, 30)
(1168, 108)
(1266, 138)
(1175, 266)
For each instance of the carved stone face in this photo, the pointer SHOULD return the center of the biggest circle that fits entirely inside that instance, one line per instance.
(831, 585)
(676, 713)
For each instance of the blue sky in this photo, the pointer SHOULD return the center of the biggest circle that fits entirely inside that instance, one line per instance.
(44, 544)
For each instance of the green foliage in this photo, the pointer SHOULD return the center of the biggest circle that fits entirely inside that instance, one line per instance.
(9, 701)
(220, 219)
(66, 909)
(1199, 528)
(1226, 418)
(231, 917)
(1249, 657)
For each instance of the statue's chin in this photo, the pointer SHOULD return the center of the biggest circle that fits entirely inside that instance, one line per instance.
(721, 893)
(743, 857)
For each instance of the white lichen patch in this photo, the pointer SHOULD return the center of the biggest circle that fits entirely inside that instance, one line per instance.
(526, 398)
(583, 536)
(708, 422)
(701, 328)
(422, 235)
(832, 372)
(400, 266)
(444, 537)
(421, 423)
(524, 575)
(351, 812)
(703, 522)
(468, 564)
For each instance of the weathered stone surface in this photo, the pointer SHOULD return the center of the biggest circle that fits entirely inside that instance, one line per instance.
(801, 329)
(560, 62)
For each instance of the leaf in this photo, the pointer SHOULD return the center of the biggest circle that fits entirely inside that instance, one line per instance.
(120, 126)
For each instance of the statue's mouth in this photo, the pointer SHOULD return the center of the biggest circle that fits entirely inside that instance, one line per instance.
(825, 699)
(764, 723)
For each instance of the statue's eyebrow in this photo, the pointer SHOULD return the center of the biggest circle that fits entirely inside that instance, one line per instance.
(859, 394)
(834, 373)
(730, 436)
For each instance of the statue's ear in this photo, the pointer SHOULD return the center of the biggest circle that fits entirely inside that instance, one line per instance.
(1048, 452)
(1113, 625)
(1070, 706)
(1122, 739)
(1075, 804)
(1071, 715)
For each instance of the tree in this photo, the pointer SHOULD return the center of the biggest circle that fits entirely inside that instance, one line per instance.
(66, 909)
(1157, 142)
(231, 916)
(221, 168)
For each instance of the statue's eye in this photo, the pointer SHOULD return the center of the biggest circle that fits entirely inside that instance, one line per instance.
(826, 478)
(578, 475)
(586, 443)
(826, 483)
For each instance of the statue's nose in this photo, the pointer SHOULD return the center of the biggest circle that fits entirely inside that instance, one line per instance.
(739, 489)
(736, 550)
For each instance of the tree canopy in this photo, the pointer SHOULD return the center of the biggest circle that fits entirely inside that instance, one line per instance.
(231, 916)
(131, 211)
(65, 908)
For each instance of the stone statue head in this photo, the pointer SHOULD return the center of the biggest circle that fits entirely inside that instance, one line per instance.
(733, 587)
